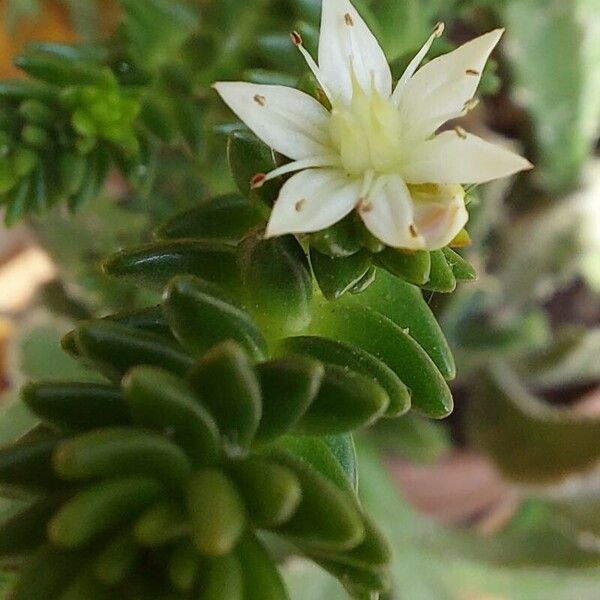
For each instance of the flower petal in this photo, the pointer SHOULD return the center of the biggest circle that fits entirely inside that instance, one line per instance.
(459, 157)
(313, 200)
(388, 213)
(439, 90)
(439, 216)
(286, 119)
(346, 43)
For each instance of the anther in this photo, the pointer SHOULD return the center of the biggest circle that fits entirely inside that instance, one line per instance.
(460, 132)
(473, 72)
(349, 20)
(471, 104)
(438, 30)
(260, 100)
(258, 181)
(296, 38)
(413, 230)
(364, 206)
(299, 206)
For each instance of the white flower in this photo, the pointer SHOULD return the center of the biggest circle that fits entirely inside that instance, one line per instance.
(377, 149)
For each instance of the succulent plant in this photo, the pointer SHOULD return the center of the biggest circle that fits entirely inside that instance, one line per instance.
(164, 481)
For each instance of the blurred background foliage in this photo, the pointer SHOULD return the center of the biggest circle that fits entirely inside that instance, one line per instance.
(526, 335)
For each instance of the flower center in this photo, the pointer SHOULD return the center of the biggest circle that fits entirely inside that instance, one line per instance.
(367, 133)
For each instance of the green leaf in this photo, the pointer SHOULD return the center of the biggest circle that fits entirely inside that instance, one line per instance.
(462, 270)
(200, 317)
(277, 282)
(162, 402)
(327, 518)
(404, 305)
(228, 386)
(114, 349)
(155, 264)
(98, 508)
(262, 581)
(271, 492)
(336, 276)
(226, 219)
(413, 267)
(289, 386)
(345, 401)
(216, 510)
(15, 418)
(535, 558)
(223, 573)
(121, 452)
(248, 157)
(338, 241)
(76, 406)
(27, 465)
(25, 531)
(441, 276)
(354, 358)
(378, 335)
(334, 457)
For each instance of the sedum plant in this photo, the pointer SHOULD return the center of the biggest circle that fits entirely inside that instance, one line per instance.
(215, 443)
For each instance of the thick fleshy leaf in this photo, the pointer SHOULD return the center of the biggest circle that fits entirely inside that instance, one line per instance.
(348, 49)
(354, 323)
(313, 200)
(404, 305)
(459, 157)
(286, 119)
(225, 219)
(336, 276)
(388, 214)
(439, 90)
(277, 283)
(334, 457)
(353, 358)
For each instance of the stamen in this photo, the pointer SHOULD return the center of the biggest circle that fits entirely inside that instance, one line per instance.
(258, 181)
(299, 206)
(300, 165)
(413, 230)
(296, 38)
(460, 132)
(260, 100)
(364, 205)
(312, 65)
(438, 30)
(349, 20)
(321, 96)
(471, 104)
(367, 184)
(474, 72)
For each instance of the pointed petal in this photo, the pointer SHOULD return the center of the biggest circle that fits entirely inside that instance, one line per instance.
(459, 157)
(313, 200)
(346, 43)
(440, 216)
(441, 88)
(287, 120)
(388, 213)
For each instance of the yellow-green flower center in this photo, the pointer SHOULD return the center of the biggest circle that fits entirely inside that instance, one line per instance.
(367, 133)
